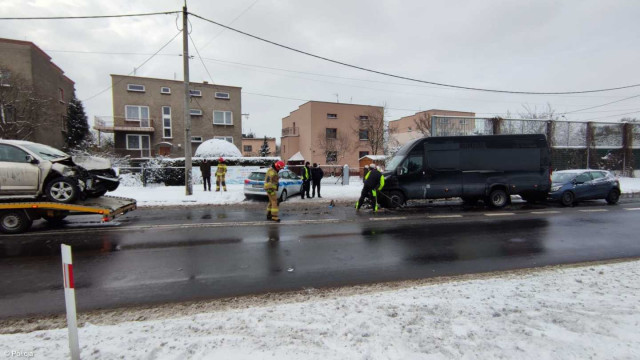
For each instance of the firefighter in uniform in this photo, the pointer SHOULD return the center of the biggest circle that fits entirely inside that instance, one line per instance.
(271, 187)
(373, 182)
(220, 174)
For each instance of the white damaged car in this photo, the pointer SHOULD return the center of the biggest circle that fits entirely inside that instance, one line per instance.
(32, 170)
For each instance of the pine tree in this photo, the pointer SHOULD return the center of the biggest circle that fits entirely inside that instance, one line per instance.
(264, 150)
(77, 125)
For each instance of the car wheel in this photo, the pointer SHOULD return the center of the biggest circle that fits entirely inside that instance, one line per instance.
(14, 221)
(394, 199)
(498, 198)
(63, 190)
(283, 196)
(568, 198)
(613, 197)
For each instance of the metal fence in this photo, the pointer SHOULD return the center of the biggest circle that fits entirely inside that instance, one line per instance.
(611, 146)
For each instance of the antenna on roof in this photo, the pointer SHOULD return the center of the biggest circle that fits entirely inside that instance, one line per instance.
(337, 98)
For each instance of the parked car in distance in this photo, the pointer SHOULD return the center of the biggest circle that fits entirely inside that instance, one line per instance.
(571, 186)
(289, 184)
(32, 170)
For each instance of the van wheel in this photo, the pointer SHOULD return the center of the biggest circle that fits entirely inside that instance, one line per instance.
(613, 197)
(14, 221)
(63, 190)
(567, 199)
(498, 198)
(395, 199)
(283, 196)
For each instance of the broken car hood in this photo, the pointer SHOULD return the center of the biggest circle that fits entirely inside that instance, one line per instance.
(92, 162)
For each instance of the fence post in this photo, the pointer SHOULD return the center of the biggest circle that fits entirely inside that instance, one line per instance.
(627, 148)
(590, 142)
(70, 300)
(144, 177)
(495, 125)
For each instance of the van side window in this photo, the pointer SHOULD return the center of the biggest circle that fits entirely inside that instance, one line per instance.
(412, 164)
(444, 159)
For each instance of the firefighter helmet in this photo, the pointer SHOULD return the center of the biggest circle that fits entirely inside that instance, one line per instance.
(279, 165)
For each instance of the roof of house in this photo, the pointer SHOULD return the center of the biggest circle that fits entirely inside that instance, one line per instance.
(296, 157)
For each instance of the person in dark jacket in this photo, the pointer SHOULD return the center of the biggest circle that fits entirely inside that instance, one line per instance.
(316, 177)
(205, 169)
(373, 182)
(306, 180)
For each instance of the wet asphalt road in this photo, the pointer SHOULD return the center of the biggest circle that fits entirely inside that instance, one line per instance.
(179, 254)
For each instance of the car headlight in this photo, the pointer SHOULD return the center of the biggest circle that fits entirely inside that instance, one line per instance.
(555, 188)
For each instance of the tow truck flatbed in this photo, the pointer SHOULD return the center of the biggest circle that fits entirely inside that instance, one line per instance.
(17, 216)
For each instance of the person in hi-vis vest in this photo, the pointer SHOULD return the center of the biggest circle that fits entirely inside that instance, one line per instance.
(220, 174)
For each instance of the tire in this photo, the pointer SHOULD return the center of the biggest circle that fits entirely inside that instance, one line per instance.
(613, 197)
(498, 198)
(394, 199)
(14, 222)
(283, 196)
(567, 199)
(63, 190)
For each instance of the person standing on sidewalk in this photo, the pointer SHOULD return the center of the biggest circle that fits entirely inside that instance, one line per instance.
(205, 169)
(306, 180)
(221, 172)
(316, 177)
(271, 182)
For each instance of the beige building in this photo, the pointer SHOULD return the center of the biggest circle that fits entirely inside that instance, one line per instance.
(26, 60)
(252, 146)
(418, 125)
(148, 115)
(328, 133)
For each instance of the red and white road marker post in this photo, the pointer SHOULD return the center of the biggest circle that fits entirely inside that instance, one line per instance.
(70, 301)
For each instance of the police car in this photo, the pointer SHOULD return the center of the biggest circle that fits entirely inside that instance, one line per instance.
(289, 184)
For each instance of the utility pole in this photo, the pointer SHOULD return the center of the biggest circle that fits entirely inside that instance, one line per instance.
(187, 98)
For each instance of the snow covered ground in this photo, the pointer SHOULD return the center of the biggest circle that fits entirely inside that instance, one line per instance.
(587, 312)
(160, 195)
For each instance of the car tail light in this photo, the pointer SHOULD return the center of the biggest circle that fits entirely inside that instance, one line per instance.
(246, 181)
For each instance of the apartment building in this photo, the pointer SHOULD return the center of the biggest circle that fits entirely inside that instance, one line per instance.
(419, 124)
(148, 115)
(330, 133)
(251, 146)
(25, 61)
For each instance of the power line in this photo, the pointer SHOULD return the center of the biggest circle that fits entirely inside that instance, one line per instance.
(408, 78)
(232, 21)
(200, 57)
(89, 16)
(139, 66)
(597, 106)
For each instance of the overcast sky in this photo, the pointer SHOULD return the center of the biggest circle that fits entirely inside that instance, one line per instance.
(538, 46)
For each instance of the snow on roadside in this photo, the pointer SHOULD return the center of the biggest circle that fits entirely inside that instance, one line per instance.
(573, 312)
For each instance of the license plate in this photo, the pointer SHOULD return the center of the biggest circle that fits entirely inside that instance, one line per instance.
(257, 186)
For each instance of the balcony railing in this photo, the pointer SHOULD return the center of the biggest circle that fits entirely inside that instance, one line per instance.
(110, 124)
(290, 131)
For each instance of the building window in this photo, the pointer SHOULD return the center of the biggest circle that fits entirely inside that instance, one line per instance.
(248, 148)
(332, 156)
(222, 118)
(222, 95)
(195, 112)
(196, 139)
(165, 90)
(332, 116)
(61, 91)
(332, 133)
(137, 142)
(226, 138)
(197, 93)
(166, 122)
(364, 117)
(362, 154)
(5, 76)
(135, 87)
(463, 122)
(364, 134)
(137, 113)
(410, 129)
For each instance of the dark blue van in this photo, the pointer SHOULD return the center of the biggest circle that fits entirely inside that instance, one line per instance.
(488, 168)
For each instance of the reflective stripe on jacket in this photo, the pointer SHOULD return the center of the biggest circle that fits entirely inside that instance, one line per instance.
(305, 173)
(374, 179)
(271, 180)
(222, 170)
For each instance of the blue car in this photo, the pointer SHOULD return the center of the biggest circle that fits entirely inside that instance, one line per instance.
(571, 186)
(288, 185)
